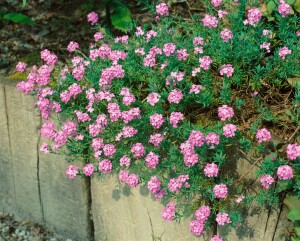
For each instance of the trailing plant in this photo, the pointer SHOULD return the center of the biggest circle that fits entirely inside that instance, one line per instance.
(167, 106)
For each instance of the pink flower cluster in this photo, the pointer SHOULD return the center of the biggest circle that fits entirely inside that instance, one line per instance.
(265, 46)
(220, 191)
(285, 172)
(293, 151)
(175, 117)
(216, 3)
(125, 161)
(48, 57)
(92, 18)
(284, 9)
(182, 54)
(227, 70)
(98, 36)
(196, 227)
(205, 62)
(132, 180)
(229, 130)
(284, 51)
(212, 139)
(225, 112)
(105, 166)
(88, 169)
(202, 213)
(267, 33)
(162, 9)
(210, 21)
(175, 96)
(128, 98)
(72, 46)
(109, 150)
(21, 67)
(156, 120)
(168, 213)
(196, 89)
(175, 184)
(216, 238)
(154, 184)
(169, 48)
(226, 34)
(153, 98)
(152, 160)
(222, 218)
(254, 16)
(266, 181)
(211, 170)
(72, 171)
(138, 150)
(263, 135)
(156, 139)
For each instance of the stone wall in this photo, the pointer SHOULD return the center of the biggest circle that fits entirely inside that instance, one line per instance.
(34, 187)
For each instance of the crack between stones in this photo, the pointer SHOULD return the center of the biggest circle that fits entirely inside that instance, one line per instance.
(277, 221)
(38, 175)
(9, 137)
(91, 218)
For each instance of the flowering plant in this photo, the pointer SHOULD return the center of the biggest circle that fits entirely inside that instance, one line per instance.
(165, 106)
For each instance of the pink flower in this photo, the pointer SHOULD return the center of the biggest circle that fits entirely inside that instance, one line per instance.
(265, 46)
(254, 16)
(198, 41)
(285, 172)
(226, 34)
(175, 184)
(72, 46)
(229, 130)
(222, 218)
(211, 170)
(168, 213)
(125, 161)
(216, 3)
(133, 180)
(139, 31)
(284, 9)
(196, 89)
(284, 51)
(152, 160)
(202, 213)
(298, 33)
(175, 96)
(162, 9)
(169, 48)
(88, 169)
(182, 54)
(138, 150)
(93, 18)
(160, 194)
(267, 33)
(190, 159)
(153, 184)
(293, 151)
(44, 148)
(212, 139)
(98, 36)
(156, 139)
(196, 138)
(263, 135)
(157, 120)
(205, 62)
(109, 150)
(123, 175)
(216, 238)
(105, 166)
(72, 171)
(227, 70)
(220, 191)
(153, 98)
(221, 13)
(266, 181)
(225, 112)
(210, 21)
(175, 117)
(21, 67)
(240, 198)
(196, 227)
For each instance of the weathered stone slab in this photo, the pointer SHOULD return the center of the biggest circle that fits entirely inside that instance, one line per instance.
(65, 202)
(7, 192)
(120, 213)
(23, 123)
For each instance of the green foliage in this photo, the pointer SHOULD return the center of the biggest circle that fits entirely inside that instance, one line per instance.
(18, 18)
(121, 18)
